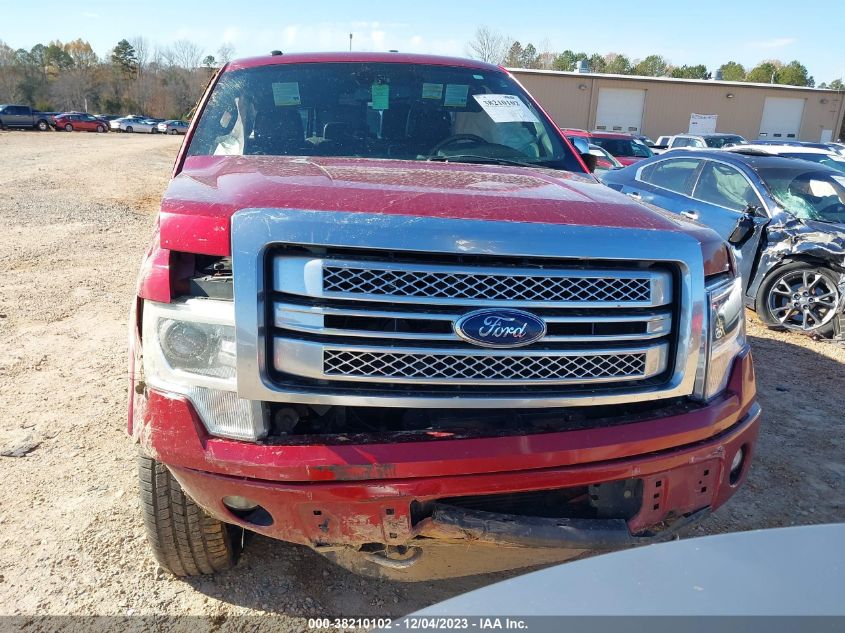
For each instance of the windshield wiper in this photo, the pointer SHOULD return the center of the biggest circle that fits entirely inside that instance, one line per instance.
(481, 160)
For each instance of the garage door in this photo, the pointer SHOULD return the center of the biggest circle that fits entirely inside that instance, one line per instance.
(620, 110)
(781, 118)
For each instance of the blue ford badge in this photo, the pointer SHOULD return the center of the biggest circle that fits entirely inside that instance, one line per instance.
(496, 327)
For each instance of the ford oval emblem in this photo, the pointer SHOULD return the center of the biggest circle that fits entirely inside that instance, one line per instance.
(496, 327)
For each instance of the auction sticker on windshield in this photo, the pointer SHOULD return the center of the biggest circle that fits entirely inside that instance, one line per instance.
(506, 109)
(286, 93)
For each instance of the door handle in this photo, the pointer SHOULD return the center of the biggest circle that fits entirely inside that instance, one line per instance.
(692, 215)
(635, 195)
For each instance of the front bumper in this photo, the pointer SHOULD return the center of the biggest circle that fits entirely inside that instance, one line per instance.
(329, 495)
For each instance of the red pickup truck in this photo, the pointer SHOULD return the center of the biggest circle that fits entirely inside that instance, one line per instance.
(387, 307)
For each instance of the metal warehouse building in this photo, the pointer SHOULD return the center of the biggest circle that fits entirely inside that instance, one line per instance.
(656, 106)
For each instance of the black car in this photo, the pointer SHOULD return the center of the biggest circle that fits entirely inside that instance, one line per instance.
(786, 218)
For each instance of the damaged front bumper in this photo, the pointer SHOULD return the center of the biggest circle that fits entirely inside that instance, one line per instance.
(409, 493)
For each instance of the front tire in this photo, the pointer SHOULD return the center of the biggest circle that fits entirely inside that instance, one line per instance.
(129, 128)
(68, 127)
(801, 297)
(185, 540)
(101, 129)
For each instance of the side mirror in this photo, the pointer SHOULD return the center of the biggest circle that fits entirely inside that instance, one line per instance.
(744, 228)
(590, 160)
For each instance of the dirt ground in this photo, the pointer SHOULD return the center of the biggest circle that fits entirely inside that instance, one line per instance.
(76, 212)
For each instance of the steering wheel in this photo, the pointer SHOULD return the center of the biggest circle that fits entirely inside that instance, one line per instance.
(455, 139)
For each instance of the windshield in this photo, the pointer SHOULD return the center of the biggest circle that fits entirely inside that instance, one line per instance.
(721, 141)
(628, 148)
(378, 110)
(822, 159)
(807, 193)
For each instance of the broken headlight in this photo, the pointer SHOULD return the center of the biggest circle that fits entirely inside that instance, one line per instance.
(189, 349)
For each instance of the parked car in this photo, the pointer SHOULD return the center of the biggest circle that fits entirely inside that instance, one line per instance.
(445, 326)
(791, 218)
(22, 116)
(81, 123)
(604, 160)
(824, 156)
(715, 141)
(839, 148)
(624, 147)
(116, 124)
(148, 126)
(173, 126)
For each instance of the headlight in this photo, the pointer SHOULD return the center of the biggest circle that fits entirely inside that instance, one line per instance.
(723, 337)
(189, 349)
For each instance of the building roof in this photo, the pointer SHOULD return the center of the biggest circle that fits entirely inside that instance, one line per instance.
(705, 82)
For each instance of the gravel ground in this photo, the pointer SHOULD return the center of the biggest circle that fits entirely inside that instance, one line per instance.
(75, 216)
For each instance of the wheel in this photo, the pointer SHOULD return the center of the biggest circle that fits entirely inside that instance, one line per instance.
(68, 127)
(101, 129)
(128, 128)
(42, 125)
(801, 297)
(185, 540)
(173, 132)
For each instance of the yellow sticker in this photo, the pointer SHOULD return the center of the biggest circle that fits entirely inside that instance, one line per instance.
(432, 91)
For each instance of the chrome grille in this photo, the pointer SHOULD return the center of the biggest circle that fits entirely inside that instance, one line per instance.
(433, 367)
(478, 286)
(339, 319)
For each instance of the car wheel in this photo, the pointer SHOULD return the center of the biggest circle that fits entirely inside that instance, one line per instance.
(174, 131)
(101, 129)
(185, 539)
(68, 127)
(800, 297)
(128, 128)
(42, 126)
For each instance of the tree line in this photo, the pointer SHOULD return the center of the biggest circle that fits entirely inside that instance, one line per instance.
(494, 47)
(134, 77)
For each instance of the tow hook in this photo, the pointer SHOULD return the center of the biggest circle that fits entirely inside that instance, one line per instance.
(395, 556)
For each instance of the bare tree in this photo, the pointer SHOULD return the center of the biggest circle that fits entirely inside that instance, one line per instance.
(186, 54)
(10, 76)
(142, 51)
(225, 53)
(546, 58)
(488, 45)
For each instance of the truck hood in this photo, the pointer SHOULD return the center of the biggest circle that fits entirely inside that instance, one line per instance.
(199, 202)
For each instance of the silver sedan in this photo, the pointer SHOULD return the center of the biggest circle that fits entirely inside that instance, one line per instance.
(147, 126)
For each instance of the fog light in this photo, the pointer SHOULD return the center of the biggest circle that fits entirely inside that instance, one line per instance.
(736, 465)
(234, 502)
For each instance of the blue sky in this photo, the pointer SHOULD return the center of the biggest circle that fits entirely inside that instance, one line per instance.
(685, 32)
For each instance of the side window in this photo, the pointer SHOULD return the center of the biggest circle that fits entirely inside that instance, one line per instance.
(674, 175)
(697, 142)
(724, 186)
(680, 142)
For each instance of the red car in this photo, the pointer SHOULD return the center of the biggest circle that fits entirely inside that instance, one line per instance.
(388, 310)
(80, 122)
(623, 147)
